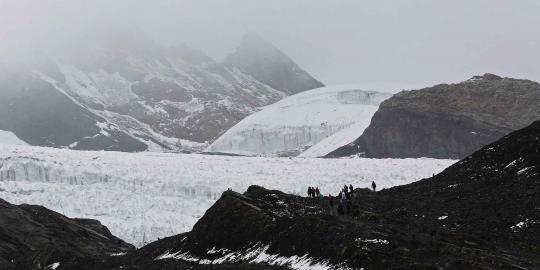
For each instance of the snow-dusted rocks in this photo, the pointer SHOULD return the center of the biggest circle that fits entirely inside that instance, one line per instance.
(332, 116)
(143, 196)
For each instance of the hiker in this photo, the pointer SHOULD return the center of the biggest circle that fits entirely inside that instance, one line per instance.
(317, 192)
(373, 185)
(332, 209)
(351, 189)
(345, 188)
(309, 192)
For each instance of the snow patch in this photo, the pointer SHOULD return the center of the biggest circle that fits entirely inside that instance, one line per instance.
(53, 266)
(520, 172)
(258, 254)
(8, 137)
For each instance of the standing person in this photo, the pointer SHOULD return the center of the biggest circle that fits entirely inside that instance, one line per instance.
(373, 185)
(351, 189)
(309, 191)
(317, 192)
(332, 205)
(345, 202)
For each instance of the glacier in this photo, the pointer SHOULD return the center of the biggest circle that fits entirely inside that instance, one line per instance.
(301, 121)
(144, 196)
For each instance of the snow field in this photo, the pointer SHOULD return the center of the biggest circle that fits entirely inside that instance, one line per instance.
(141, 197)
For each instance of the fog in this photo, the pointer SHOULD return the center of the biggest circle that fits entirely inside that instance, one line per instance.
(379, 44)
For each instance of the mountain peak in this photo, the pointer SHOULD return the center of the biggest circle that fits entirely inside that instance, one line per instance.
(486, 76)
(254, 42)
(263, 61)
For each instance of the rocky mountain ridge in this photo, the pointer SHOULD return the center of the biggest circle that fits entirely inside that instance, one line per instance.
(125, 92)
(448, 120)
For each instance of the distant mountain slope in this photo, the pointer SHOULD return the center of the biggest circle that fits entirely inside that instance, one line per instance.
(295, 123)
(33, 237)
(264, 62)
(39, 114)
(481, 213)
(448, 120)
(144, 95)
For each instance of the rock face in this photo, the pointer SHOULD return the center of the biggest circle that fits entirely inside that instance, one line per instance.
(264, 62)
(448, 121)
(33, 237)
(481, 213)
(125, 92)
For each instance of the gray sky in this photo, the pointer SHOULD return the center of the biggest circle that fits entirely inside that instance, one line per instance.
(380, 44)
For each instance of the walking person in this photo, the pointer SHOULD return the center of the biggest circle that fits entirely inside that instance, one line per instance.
(373, 185)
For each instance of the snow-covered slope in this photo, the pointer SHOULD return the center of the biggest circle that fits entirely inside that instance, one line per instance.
(143, 196)
(297, 122)
(7, 137)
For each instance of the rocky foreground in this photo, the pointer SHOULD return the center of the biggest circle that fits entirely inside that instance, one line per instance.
(448, 120)
(481, 213)
(33, 237)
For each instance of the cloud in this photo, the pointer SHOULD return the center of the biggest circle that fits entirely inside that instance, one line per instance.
(343, 41)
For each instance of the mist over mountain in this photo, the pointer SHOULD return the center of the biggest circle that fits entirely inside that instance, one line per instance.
(123, 91)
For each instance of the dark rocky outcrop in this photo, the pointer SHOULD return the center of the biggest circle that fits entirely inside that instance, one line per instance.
(33, 237)
(481, 213)
(448, 120)
(266, 63)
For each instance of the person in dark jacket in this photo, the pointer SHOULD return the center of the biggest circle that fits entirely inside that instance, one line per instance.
(309, 192)
(351, 189)
(373, 185)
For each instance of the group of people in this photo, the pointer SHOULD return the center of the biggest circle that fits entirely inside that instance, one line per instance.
(339, 205)
(314, 192)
